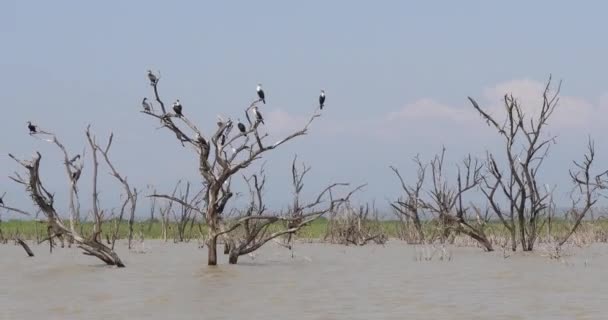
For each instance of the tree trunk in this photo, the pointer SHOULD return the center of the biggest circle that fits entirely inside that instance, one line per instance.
(25, 247)
(233, 257)
(513, 240)
(212, 255)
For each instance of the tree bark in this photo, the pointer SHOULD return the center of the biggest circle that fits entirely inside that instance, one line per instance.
(212, 255)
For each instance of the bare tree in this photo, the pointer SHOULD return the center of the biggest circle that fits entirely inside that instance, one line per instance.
(517, 182)
(355, 225)
(410, 205)
(130, 194)
(255, 227)
(586, 190)
(446, 201)
(220, 155)
(186, 214)
(45, 201)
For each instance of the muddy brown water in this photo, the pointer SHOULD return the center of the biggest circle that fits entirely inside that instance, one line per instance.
(320, 281)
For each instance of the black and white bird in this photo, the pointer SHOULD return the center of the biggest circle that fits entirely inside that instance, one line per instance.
(177, 107)
(241, 126)
(31, 127)
(261, 93)
(322, 99)
(146, 105)
(152, 77)
(258, 115)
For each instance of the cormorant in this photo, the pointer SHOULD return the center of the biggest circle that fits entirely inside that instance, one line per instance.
(241, 126)
(31, 127)
(177, 107)
(152, 77)
(261, 93)
(1, 201)
(322, 99)
(146, 105)
(258, 115)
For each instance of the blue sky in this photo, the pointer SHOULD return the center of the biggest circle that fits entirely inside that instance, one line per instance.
(397, 74)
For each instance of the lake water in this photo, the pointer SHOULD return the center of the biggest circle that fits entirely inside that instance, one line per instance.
(320, 281)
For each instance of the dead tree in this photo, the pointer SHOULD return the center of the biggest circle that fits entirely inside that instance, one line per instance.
(185, 214)
(130, 194)
(355, 225)
(586, 190)
(516, 183)
(410, 205)
(221, 155)
(256, 226)
(45, 201)
(446, 201)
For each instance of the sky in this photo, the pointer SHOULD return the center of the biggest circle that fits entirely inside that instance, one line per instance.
(396, 73)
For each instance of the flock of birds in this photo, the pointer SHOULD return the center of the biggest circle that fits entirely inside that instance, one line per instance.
(178, 108)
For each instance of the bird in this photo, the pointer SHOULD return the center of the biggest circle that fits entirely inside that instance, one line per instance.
(76, 175)
(146, 105)
(152, 77)
(31, 127)
(261, 93)
(201, 140)
(258, 115)
(1, 201)
(177, 107)
(241, 126)
(321, 99)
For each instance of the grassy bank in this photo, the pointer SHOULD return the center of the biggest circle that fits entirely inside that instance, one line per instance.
(594, 231)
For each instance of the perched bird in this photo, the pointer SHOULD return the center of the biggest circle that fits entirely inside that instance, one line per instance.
(261, 93)
(1, 201)
(177, 107)
(241, 126)
(76, 175)
(31, 127)
(146, 105)
(152, 77)
(258, 115)
(321, 99)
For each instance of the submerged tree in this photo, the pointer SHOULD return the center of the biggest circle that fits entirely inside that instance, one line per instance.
(513, 189)
(443, 199)
(45, 200)
(220, 155)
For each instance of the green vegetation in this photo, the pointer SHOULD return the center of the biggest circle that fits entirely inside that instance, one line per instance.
(594, 231)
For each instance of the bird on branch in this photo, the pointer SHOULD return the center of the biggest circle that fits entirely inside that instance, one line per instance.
(177, 107)
(146, 105)
(258, 115)
(322, 99)
(31, 127)
(152, 77)
(261, 93)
